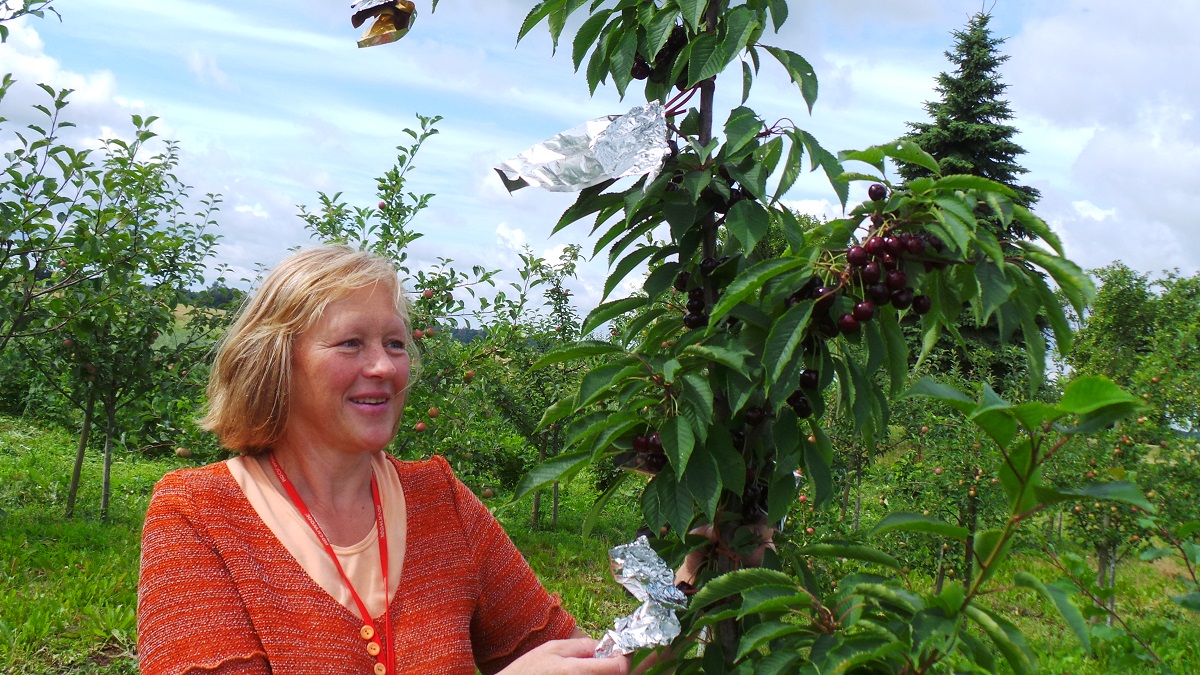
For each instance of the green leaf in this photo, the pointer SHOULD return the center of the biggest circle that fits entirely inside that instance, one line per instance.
(692, 11)
(763, 633)
(748, 221)
(561, 467)
(854, 552)
(749, 282)
(565, 406)
(736, 582)
(1037, 227)
(726, 357)
(1117, 491)
(593, 513)
(585, 39)
(784, 338)
(705, 59)
(769, 599)
(1090, 393)
(915, 522)
(1062, 601)
(535, 16)
(576, 350)
(627, 264)
(703, 482)
(598, 383)
(905, 150)
(679, 441)
(800, 72)
(1189, 601)
(611, 310)
(991, 550)
(965, 181)
(927, 386)
(1006, 637)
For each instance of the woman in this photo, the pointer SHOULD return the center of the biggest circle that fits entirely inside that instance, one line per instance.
(313, 551)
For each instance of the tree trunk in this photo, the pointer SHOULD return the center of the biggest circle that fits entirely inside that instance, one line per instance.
(110, 416)
(941, 571)
(84, 433)
(972, 526)
(554, 508)
(535, 517)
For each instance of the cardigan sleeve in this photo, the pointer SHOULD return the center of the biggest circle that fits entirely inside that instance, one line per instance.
(514, 613)
(191, 617)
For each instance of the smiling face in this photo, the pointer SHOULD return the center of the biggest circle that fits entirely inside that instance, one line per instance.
(349, 374)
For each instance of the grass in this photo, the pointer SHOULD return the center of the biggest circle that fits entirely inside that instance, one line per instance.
(68, 588)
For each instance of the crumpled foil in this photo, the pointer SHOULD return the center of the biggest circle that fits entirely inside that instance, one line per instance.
(639, 569)
(614, 146)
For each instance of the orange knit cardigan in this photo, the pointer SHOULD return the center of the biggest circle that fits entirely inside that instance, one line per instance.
(219, 593)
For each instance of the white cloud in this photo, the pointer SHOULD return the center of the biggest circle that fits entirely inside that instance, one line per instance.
(204, 66)
(256, 210)
(1090, 211)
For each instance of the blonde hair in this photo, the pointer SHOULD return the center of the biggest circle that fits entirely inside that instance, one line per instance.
(251, 378)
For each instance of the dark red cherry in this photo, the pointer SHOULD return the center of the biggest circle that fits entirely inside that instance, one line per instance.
(810, 379)
(800, 404)
(879, 294)
(893, 245)
(708, 266)
(693, 320)
(874, 245)
(681, 281)
(922, 304)
(896, 279)
(864, 311)
(871, 273)
(857, 256)
(823, 296)
(915, 245)
(695, 306)
(902, 298)
(848, 324)
(756, 416)
(877, 192)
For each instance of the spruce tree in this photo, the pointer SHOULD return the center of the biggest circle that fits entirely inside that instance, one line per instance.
(968, 133)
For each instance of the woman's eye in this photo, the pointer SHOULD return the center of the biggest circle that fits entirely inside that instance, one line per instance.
(353, 342)
(397, 345)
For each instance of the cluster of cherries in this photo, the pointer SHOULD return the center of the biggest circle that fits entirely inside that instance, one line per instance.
(642, 69)
(697, 308)
(877, 267)
(649, 451)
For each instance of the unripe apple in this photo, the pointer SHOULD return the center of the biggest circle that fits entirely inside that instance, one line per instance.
(418, 334)
(468, 376)
(67, 343)
(382, 205)
(434, 412)
(419, 427)
(938, 471)
(809, 530)
(488, 493)
(427, 294)
(803, 498)
(429, 331)
(183, 452)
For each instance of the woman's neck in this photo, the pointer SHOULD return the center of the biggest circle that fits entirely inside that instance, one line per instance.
(335, 487)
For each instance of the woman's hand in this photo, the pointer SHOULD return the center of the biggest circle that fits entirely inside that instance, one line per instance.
(573, 655)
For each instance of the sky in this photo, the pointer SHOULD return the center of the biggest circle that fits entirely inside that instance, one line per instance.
(272, 103)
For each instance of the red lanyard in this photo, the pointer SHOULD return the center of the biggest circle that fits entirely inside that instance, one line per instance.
(384, 657)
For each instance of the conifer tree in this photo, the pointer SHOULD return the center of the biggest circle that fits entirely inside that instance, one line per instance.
(968, 133)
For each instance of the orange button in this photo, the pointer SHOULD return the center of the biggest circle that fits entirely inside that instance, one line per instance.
(380, 669)
(373, 648)
(367, 632)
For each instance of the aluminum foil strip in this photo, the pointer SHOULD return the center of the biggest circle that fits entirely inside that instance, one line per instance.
(638, 568)
(605, 148)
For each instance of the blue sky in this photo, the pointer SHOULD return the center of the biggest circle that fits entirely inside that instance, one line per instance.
(272, 102)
